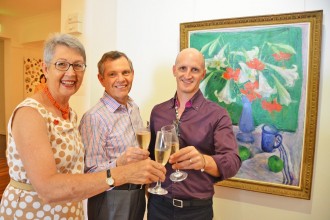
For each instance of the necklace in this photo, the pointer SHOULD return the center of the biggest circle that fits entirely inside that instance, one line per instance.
(176, 122)
(64, 110)
(177, 113)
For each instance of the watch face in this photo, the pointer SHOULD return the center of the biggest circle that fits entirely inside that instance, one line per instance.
(110, 181)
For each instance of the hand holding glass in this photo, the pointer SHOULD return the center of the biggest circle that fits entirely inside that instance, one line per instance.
(178, 175)
(162, 153)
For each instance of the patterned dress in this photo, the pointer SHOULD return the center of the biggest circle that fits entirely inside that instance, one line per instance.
(69, 157)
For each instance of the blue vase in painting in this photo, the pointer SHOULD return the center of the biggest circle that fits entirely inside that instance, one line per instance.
(246, 123)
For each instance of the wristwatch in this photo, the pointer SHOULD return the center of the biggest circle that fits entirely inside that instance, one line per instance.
(109, 180)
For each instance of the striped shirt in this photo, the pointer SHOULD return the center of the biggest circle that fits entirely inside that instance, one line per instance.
(107, 130)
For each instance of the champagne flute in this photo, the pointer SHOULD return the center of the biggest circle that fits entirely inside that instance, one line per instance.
(178, 175)
(162, 154)
(143, 136)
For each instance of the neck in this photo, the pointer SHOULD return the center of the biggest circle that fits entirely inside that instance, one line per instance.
(183, 98)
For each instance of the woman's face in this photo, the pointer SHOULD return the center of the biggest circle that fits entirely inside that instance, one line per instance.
(64, 84)
(43, 79)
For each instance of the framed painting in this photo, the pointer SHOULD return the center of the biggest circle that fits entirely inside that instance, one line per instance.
(265, 71)
(34, 79)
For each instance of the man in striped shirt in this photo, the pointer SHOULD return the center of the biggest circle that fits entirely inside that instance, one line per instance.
(107, 131)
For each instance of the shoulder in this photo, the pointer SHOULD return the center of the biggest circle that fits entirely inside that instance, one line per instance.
(214, 110)
(161, 109)
(132, 103)
(98, 108)
(30, 105)
(94, 113)
(28, 114)
(164, 106)
(214, 106)
(29, 102)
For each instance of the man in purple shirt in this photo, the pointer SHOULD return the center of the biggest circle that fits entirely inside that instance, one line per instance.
(208, 149)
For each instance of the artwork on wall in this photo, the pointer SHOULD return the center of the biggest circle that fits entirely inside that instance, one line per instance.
(265, 71)
(34, 80)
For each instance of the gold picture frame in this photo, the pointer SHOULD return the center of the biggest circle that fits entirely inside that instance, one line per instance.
(279, 57)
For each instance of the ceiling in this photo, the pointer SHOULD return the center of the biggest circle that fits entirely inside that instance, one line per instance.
(24, 8)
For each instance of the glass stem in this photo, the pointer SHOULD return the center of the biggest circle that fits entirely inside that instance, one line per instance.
(158, 184)
(176, 170)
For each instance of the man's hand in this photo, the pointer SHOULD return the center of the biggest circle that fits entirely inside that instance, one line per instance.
(142, 172)
(132, 155)
(188, 158)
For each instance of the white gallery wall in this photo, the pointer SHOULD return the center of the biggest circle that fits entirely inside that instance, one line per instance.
(148, 32)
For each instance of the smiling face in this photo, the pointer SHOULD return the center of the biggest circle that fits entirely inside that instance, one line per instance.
(117, 79)
(189, 70)
(64, 84)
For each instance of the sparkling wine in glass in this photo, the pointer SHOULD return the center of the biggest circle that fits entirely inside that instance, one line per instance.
(162, 154)
(143, 137)
(178, 175)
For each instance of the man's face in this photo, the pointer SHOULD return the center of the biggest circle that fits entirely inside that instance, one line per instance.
(117, 79)
(189, 72)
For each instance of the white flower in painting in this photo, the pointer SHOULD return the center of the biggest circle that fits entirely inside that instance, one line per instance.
(283, 94)
(264, 88)
(225, 95)
(249, 55)
(289, 75)
(218, 61)
(247, 74)
(203, 84)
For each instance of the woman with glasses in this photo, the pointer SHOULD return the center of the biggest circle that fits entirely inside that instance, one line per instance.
(45, 154)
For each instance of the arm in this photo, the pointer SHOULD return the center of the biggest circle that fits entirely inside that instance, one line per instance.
(190, 158)
(226, 150)
(30, 133)
(94, 134)
(224, 163)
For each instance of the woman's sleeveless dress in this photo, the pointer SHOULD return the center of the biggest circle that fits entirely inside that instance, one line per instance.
(68, 152)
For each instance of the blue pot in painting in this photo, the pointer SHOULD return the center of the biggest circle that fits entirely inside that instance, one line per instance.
(246, 123)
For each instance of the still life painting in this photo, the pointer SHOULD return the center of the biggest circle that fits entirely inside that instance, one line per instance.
(261, 70)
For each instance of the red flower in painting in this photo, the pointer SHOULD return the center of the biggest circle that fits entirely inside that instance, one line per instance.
(250, 92)
(271, 106)
(281, 56)
(256, 64)
(231, 74)
(56, 122)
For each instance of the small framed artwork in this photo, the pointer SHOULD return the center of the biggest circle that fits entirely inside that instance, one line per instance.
(265, 71)
(34, 79)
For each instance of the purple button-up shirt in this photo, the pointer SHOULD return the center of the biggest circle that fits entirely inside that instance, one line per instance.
(208, 127)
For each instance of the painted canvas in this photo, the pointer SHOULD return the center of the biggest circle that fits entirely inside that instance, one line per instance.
(259, 69)
(33, 76)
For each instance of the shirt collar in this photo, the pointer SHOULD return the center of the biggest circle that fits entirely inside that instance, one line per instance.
(195, 102)
(113, 105)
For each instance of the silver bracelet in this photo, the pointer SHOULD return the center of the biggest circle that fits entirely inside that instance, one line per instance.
(203, 169)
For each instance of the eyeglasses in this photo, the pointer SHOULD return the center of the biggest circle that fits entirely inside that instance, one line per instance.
(64, 66)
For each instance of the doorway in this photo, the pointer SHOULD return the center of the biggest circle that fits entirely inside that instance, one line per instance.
(4, 177)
